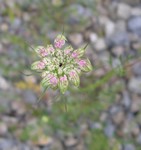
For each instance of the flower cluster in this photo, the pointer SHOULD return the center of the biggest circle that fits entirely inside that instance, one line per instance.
(60, 64)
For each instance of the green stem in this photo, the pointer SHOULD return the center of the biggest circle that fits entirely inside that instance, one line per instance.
(41, 96)
(65, 102)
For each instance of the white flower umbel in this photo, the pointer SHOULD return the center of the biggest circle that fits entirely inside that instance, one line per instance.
(60, 64)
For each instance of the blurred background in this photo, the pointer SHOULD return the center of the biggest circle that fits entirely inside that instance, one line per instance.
(105, 112)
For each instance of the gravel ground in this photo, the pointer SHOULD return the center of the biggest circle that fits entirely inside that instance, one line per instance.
(112, 29)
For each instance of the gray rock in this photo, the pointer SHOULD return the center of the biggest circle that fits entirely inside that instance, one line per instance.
(29, 97)
(117, 114)
(116, 63)
(114, 109)
(16, 23)
(138, 117)
(15, 105)
(126, 101)
(96, 125)
(76, 39)
(1, 47)
(136, 12)
(134, 38)
(136, 46)
(4, 85)
(130, 127)
(8, 144)
(135, 130)
(123, 11)
(136, 104)
(4, 27)
(126, 128)
(120, 26)
(10, 4)
(103, 20)
(109, 130)
(107, 24)
(118, 39)
(134, 25)
(139, 139)
(26, 17)
(129, 147)
(118, 117)
(103, 116)
(56, 145)
(100, 44)
(104, 57)
(109, 28)
(118, 50)
(131, 2)
(80, 146)
(77, 14)
(137, 69)
(135, 85)
(93, 37)
(25, 147)
(71, 141)
(3, 7)
(84, 128)
(9, 120)
(3, 128)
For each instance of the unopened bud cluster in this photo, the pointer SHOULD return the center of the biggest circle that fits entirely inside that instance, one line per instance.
(60, 64)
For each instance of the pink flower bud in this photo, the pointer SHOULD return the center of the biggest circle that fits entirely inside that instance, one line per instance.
(50, 49)
(64, 78)
(82, 63)
(74, 54)
(72, 74)
(68, 50)
(80, 52)
(63, 83)
(59, 41)
(53, 81)
(40, 65)
(58, 44)
(74, 78)
(42, 51)
(50, 80)
(85, 65)
(46, 61)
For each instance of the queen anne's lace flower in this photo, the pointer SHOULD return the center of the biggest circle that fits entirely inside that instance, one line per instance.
(60, 65)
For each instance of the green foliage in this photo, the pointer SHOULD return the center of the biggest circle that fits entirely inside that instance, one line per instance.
(25, 133)
(98, 141)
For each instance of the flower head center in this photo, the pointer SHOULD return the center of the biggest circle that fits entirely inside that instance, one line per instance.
(60, 65)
